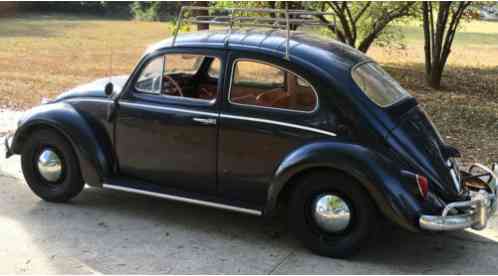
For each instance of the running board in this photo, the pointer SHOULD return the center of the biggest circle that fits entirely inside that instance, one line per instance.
(185, 199)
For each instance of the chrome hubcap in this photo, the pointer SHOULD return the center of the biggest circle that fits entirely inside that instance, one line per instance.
(331, 213)
(50, 165)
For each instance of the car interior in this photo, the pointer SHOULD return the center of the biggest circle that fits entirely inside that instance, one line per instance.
(200, 85)
(275, 88)
(290, 93)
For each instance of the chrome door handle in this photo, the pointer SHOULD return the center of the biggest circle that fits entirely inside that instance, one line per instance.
(205, 121)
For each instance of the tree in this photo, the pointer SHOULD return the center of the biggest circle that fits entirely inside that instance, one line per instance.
(439, 34)
(291, 5)
(201, 13)
(154, 11)
(359, 24)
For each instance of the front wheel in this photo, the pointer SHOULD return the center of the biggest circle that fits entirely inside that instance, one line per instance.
(51, 167)
(331, 214)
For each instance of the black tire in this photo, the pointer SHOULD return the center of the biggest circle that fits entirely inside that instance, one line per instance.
(364, 218)
(69, 184)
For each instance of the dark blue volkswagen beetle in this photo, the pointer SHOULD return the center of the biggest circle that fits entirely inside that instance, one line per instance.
(237, 120)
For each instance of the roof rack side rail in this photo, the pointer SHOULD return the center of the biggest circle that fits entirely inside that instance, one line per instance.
(282, 19)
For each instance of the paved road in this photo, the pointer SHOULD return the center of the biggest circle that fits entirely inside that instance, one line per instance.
(105, 231)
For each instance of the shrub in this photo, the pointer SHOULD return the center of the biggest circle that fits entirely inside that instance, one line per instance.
(145, 11)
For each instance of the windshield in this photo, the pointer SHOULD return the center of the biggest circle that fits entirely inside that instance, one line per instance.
(378, 85)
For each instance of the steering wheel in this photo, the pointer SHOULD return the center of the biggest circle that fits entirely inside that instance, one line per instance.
(176, 87)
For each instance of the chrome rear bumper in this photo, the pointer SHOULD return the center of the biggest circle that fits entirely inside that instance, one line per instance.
(478, 209)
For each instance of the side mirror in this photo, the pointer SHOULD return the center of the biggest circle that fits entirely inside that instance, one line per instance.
(109, 88)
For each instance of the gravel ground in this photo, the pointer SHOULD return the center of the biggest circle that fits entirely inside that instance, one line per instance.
(8, 120)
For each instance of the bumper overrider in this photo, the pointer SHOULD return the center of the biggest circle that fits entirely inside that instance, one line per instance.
(473, 213)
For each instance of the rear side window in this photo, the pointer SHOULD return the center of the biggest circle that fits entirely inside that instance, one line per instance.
(378, 85)
(264, 85)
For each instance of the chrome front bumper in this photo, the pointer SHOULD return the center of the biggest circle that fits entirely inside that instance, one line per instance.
(477, 211)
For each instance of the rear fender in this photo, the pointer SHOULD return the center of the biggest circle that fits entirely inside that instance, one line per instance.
(94, 161)
(378, 175)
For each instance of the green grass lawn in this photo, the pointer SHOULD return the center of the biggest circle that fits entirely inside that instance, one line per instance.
(474, 33)
(41, 56)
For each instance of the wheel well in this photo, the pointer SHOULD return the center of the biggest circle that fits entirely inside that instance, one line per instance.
(21, 140)
(24, 137)
(89, 168)
(284, 195)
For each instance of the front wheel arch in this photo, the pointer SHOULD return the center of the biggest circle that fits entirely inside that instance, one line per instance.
(92, 160)
(23, 136)
(26, 133)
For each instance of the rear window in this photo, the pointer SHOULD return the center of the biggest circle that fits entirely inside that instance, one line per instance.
(378, 85)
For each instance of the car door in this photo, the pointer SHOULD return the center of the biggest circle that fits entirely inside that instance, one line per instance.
(168, 136)
(262, 122)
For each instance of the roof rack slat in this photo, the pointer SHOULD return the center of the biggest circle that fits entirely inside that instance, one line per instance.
(280, 19)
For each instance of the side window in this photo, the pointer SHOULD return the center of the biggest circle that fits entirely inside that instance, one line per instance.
(150, 78)
(177, 75)
(214, 69)
(182, 63)
(260, 84)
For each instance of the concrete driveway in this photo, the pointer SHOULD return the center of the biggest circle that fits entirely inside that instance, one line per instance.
(104, 231)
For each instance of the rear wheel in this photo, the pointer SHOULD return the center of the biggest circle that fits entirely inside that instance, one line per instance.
(331, 214)
(51, 167)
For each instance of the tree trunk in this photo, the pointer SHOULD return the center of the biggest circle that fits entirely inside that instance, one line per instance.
(427, 37)
(435, 77)
(8, 8)
(294, 6)
(438, 37)
(367, 42)
(349, 29)
(202, 26)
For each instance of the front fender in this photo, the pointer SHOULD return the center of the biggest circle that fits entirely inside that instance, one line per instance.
(94, 161)
(379, 176)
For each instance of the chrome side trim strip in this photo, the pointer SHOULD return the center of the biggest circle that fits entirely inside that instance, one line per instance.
(252, 119)
(95, 100)
(185, 199)
(169, 108)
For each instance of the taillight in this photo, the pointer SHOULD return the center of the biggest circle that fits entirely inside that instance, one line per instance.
(423, 185)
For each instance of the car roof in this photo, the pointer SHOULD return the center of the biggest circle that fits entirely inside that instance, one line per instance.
(324, 53)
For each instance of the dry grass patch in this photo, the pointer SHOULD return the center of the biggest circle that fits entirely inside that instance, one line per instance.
(41, 56)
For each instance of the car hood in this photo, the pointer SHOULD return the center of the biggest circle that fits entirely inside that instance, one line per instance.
(94, 88)
(423, 147)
